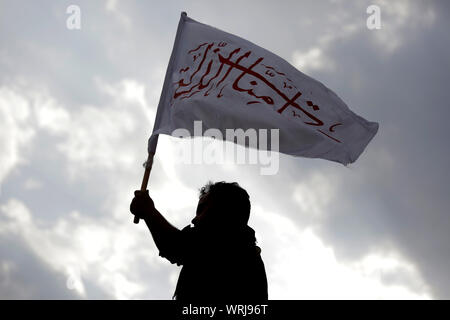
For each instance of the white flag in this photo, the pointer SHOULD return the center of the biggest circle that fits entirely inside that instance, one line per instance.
(228, 82)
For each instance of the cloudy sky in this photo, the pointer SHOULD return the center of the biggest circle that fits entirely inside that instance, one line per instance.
(77, 108)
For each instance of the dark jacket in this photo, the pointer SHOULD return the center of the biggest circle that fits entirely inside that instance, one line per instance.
(218, 265)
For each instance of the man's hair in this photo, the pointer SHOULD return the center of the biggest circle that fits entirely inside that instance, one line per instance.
(230, 198)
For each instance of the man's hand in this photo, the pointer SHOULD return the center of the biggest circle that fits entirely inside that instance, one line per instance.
(162, 231)
(142, 205)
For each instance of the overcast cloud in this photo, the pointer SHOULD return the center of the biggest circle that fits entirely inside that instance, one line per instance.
(77, 108)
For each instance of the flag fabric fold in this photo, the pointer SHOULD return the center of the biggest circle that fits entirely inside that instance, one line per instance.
(228, 82)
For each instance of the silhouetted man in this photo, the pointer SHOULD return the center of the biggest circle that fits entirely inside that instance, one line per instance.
(220, 259)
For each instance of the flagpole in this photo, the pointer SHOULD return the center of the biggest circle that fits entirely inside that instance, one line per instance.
(148, 168)
(153, 141)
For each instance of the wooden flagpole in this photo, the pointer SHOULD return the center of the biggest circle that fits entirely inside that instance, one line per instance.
(148, 168)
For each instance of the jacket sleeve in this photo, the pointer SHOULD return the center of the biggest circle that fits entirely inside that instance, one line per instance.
(176, 249)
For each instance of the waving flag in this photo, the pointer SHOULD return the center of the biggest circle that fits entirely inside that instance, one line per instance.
(228, 82)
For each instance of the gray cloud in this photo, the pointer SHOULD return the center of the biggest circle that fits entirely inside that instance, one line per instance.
(404, 199)
(25, 276)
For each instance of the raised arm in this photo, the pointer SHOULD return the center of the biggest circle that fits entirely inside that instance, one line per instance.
(163, 233)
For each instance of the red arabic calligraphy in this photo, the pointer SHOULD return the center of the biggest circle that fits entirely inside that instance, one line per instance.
(246, 79)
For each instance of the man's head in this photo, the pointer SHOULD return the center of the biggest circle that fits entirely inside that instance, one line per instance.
(222, 204)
